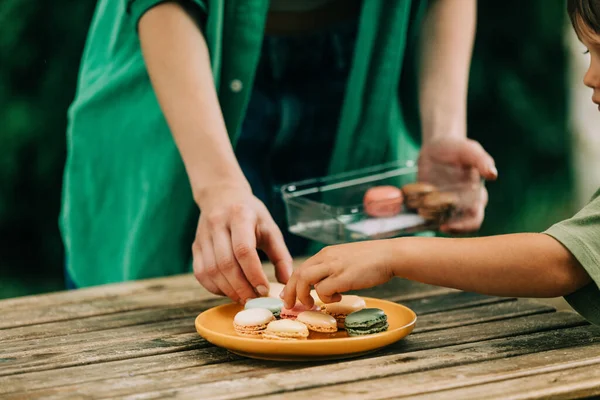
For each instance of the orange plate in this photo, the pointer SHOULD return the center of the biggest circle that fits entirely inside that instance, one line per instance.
(216, 326)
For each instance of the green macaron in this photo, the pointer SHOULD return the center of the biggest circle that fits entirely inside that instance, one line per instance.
(271, 304)
(366, 322)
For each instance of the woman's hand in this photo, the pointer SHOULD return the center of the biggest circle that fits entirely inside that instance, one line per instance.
(468, 163)
(233, 224)
(338, 269)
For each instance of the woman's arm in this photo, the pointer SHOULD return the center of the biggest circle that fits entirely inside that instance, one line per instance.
(233, 223)
(446, 45)
(178, 63)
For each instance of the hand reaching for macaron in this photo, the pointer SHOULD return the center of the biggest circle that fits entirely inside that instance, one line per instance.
(338, 269)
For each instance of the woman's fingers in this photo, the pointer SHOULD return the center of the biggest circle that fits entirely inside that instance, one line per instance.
(212, 269)
(228, 265)
(243, 242)
(200, 271)
(273, 245)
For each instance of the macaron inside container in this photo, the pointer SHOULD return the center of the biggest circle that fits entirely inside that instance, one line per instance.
(383, 201)
(367, 321)
(414, 193)
(348, 305)
(252, 322)
(438, 206)
(271, 304)
(285, 329)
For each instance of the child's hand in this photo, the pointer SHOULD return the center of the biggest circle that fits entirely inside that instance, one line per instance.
(338, 269)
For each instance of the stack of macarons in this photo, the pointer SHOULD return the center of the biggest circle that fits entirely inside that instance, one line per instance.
(267, 318)
(424, 198)
(431, 204)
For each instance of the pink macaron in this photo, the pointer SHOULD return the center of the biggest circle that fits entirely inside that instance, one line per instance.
(292, 313)
(383, 201)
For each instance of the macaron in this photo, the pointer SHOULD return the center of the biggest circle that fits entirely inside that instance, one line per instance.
(316, 298)
(366, 322)
(275, 288)
(341, 309)
(252, 322)
(285, 329)
(414, 193)
(292, 313)
(271, 304)
(438, 206)
(383, 201)
(318, 322)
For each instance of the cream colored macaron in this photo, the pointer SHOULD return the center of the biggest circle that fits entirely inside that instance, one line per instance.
(275, 289)
(317, 321)
(285, 329)
(316, 298)
(252, 322)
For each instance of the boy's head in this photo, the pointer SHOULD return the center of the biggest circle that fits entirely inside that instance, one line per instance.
(585, 17)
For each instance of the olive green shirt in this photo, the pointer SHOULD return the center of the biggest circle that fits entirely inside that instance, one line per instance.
(581, 236)
(128, 212)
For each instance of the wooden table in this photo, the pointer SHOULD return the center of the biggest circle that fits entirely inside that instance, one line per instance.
(138, 340)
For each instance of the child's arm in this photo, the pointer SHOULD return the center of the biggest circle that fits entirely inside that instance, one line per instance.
(233, 222)
(522, 265)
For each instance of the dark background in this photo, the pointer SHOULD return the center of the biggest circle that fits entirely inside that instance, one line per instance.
(517, 110)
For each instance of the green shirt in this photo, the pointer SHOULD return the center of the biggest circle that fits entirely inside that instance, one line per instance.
(128, 211)
(581, 236)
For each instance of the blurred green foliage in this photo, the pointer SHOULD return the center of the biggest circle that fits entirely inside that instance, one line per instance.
(40, 46)
(517, 110)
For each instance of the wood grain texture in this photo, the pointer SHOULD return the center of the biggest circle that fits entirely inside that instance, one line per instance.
(294, 377)
(100, 358)
(474, 377)
(142, 339)
(138, 340)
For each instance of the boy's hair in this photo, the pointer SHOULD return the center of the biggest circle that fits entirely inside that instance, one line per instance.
(586, 12)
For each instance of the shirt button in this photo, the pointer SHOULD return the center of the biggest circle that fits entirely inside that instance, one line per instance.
(236, 86)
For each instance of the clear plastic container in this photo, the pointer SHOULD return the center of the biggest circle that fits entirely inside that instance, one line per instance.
(331, 209)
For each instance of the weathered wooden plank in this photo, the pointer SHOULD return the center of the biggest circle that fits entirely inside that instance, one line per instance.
(293, 377)
(127, 368)
(44, 379)
(113, 347)
(475, 315)
(102, 292)
(450, 301)
(470, 380)
(103, 322)
(572, 383)
(403, 290)
(385, 363)
(105, 299)
(71, 343)
(116, 304)
(78, 349)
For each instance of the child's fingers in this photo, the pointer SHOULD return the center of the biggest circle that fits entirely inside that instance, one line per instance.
(288, 295)
(331, 286)
(308, 277)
